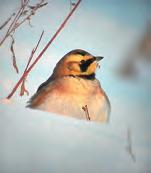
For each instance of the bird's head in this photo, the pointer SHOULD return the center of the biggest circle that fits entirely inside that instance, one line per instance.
(77, 63)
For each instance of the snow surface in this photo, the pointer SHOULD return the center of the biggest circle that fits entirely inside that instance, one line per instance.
(34, 142)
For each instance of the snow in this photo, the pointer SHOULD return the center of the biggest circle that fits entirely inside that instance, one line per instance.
(35, 141)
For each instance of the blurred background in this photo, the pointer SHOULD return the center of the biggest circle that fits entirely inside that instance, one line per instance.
(118, 30)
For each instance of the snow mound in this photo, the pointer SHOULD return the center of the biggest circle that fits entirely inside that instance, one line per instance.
(34, 142)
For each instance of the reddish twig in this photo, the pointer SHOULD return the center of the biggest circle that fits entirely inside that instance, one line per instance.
(44, 49)
(24, 76)
(54, 36)
(33, 51)
(85, 108)
(23, 88)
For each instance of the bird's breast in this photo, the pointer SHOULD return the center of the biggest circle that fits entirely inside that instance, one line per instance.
(68, 95)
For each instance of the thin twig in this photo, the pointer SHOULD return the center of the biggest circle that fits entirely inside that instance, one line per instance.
(85, 108)
(37, 6)
(28, 18)
(43, 51)
(14, 22)
(23, 77)
(23, 88)
(7, 21)
(19, 13)
(17, 22)
(54, 36)
(33, 51)
(13, 55)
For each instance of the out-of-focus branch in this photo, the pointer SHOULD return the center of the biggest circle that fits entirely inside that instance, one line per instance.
(140, 53)
(43, 51)
(129, 147)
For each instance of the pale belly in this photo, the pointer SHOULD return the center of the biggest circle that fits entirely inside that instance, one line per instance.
(67, 100)
(72, 106)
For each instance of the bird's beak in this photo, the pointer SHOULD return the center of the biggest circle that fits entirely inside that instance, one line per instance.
(98, 58)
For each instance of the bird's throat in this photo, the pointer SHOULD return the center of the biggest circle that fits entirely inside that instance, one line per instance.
(88, 76)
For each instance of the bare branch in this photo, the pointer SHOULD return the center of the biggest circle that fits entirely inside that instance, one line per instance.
(13, 55)
(24, 76)
(24, 13)
(23, 88)
(28, 17)
(35, 7)
(18, 21)
(43, 51)
(14, 22)
(33, 51)
(6, 22)
(18, 15)
(54, 36)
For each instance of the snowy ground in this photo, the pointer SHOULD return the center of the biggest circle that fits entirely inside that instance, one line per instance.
(35, 141)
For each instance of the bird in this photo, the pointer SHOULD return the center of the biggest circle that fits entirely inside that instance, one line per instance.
(72, 88)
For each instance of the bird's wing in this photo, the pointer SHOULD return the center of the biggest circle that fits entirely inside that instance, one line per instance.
(42, 91)
(44, 83)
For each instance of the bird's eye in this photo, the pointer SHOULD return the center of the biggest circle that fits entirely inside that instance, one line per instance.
(82, 61)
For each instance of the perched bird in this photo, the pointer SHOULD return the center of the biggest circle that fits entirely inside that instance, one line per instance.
(71, 87)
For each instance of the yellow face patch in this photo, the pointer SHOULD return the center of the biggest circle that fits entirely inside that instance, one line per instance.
(76, 64)
(92, 68)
